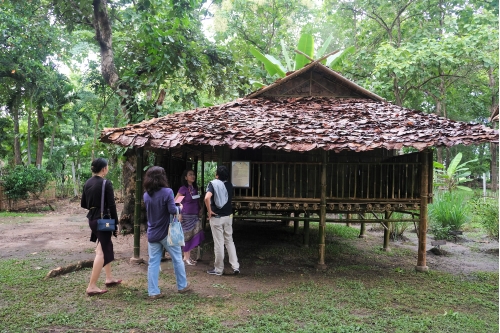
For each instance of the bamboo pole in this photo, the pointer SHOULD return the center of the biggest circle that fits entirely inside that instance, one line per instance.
(137, 211)
(322, 221)
(313, 219)
(386, 233)
(202, 191)
(362, 229)
(306, 230)
(422, 226)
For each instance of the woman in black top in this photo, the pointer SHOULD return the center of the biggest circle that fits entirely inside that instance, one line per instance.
(91, 200)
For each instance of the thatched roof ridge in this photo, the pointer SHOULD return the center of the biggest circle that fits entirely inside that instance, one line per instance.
(301, 124)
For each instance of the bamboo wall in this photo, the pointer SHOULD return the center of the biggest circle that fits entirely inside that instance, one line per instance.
(357, 182)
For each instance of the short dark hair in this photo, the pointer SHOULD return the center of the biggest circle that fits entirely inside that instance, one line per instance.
(183, 178)
(98, 164)
(155, 179)
(222, 172)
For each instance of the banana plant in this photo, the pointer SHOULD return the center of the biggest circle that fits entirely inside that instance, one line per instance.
(335, 61)
(454, 175)
(305, 45)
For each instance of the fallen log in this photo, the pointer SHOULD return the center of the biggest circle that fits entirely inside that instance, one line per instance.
(70, 268)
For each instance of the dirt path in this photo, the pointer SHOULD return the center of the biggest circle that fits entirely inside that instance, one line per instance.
(62, 237)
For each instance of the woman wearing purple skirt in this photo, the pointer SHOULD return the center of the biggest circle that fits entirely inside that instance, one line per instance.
(190, 215)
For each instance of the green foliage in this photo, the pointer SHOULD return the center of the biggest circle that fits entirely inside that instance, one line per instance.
(455, 174)
(397, 229)
(209, 174)
(6, 137)
(485, 212)
(22, 181)
(271, 64)
(335, 61)
(305, 45)
(18, 214)
(448, 212)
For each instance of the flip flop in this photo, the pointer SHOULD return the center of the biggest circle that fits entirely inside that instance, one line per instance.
(94, 293)
(111, 284)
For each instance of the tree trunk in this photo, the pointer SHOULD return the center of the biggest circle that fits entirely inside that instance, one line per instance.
(14, 110)
(493, 83)
(39, 147)
(104, 36)
(28, 137)
(127, 216)
(494, 166)
(52, 138)
(439, 154)
(103, 33)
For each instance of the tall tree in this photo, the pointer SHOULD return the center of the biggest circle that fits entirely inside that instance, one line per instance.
(166, 54)
(27, 45)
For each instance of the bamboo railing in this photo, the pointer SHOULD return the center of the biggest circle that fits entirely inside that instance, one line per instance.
(355, 182)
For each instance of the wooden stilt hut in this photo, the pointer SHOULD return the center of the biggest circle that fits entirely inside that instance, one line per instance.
(314, 144)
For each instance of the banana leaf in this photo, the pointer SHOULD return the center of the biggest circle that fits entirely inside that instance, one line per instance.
(287, 57)
(335, 60)
(324, 47)
(306, 45)
(257, 83)
(271, 67)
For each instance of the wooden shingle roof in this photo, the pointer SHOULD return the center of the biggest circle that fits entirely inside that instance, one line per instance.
(301, 124)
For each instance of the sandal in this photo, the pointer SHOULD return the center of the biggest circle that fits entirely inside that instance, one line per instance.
(190, 262)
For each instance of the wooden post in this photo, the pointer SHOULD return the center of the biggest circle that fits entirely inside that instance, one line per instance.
(322, 216)
(296, 223)
(348, 217)
(386, 233)
(362, 230)
(137, 211)
(306, 230)
(422, 226)
(202, 193)
(185, 159)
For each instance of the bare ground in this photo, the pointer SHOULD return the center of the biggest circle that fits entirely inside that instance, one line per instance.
(62, 237)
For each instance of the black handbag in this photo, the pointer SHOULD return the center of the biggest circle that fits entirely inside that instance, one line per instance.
(102, 223)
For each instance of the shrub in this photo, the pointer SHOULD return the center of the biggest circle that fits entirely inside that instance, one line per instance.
(397, 229)
(486, 213)
(448, 212)
(22, 181)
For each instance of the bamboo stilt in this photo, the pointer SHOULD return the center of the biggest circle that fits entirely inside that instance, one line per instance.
(296, 224)
(387, 234)
(202, 188)
(322, 221)
(306, 232)
(422, 226)
(362, 230)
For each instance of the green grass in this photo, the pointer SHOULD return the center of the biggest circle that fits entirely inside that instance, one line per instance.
(341, 299)
(18, 214)
(17, 217)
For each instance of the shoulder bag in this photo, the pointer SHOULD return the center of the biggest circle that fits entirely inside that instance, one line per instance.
(175, 233)
(102, 223)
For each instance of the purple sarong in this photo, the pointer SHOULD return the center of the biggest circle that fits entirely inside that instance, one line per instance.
(193, 232)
